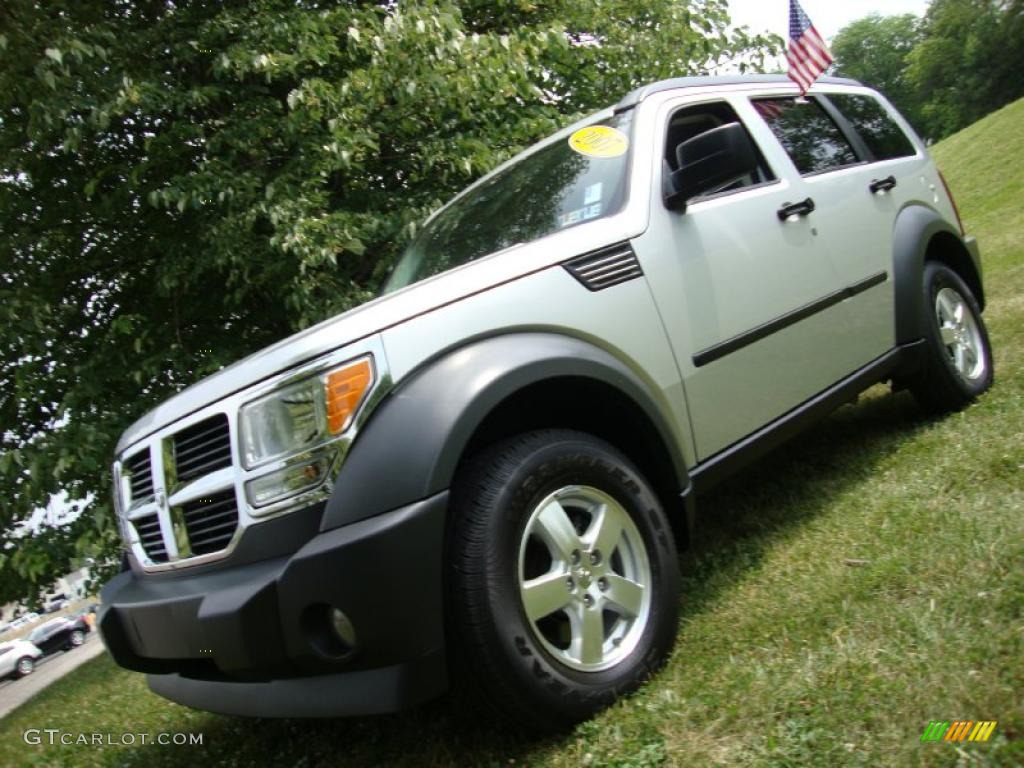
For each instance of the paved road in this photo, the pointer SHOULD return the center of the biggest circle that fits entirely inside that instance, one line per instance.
(14, 693)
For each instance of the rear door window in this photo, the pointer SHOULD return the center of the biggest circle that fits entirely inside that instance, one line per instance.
(810, 137)
(883, 137)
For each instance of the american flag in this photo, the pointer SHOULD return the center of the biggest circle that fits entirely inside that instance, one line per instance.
(808, 56)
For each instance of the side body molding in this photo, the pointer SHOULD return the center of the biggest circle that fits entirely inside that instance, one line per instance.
(411, 446)
(916, 225)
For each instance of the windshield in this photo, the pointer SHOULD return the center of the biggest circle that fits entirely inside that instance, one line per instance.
(564, 184)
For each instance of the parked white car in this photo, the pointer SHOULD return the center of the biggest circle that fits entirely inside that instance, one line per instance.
(18, 659)
(22, 621)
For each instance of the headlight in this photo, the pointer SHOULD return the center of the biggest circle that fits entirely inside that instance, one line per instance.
(305, 414)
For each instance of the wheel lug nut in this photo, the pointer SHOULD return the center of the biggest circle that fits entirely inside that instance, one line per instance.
(595, 557)
(576, 557)
(588, 600)
(570, 584)
(602, 583)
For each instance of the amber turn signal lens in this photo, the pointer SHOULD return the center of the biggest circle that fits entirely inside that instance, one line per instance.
(345, 390)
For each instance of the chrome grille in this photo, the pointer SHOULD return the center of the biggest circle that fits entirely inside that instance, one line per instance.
(202, 448)
(173, 475)
(211, 522)
(140, 476)
(148, 529)
(605, 268)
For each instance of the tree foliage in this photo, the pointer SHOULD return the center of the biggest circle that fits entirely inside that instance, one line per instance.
(961, 62)
(183, 183)
(969, 62)
(874, 50)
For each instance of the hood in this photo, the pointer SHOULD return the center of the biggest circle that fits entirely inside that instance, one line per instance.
(386, 312)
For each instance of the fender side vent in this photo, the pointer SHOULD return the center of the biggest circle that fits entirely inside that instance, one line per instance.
(605, 268)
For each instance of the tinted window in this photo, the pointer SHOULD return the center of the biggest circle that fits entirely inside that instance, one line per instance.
(884, 138)
(812, 140)
(691, 122)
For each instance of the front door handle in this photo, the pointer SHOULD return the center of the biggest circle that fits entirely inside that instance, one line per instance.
(882, 185)
(803, 208)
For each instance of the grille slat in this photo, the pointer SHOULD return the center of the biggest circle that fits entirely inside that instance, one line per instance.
(204, 468)
(184, 442)
(214, 456)
(200, 535)
(197, 518)
(202, 448)
(605, 268)
(211, 522)
(140, 476)
(152, 540)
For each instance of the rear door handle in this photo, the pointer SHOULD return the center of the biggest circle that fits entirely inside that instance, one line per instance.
(803, 208)
(882, 185)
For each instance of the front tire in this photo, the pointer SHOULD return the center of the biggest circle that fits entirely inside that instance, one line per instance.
(76, 639)
(565, 583)
(957, 366)
(26, 666)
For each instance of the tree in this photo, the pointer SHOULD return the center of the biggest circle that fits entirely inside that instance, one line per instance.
(874, 50)
(183, 183)
(968, 62)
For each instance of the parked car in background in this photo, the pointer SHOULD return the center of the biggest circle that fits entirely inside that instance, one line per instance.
(22, 621)
(87, 614)
(59, 635)
(17, 659)
(57, 602)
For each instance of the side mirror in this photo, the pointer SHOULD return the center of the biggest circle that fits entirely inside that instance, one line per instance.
(708, 161)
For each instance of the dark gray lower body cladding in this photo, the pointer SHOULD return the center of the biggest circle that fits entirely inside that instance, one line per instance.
(369, 692)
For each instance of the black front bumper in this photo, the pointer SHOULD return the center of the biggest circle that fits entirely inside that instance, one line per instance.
(249, 639)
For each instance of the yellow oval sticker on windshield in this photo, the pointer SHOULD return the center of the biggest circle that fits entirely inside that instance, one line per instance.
(599, 141)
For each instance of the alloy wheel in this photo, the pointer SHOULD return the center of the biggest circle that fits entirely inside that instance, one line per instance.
(584, 578)
(960, 335)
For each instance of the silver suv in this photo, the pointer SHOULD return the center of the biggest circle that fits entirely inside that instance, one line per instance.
(485, 473)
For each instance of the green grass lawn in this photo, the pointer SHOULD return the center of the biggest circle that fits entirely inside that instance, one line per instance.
(864, 580)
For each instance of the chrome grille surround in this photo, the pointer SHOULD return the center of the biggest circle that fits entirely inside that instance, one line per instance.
(190, 518)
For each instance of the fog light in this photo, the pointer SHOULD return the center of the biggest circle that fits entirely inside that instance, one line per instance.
(343, 628)
(286, 482)
(329, 631)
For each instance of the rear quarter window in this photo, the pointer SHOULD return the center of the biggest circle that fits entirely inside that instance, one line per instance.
(883, 136)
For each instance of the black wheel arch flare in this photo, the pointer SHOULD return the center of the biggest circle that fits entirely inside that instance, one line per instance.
(411, 446)
(920, 233)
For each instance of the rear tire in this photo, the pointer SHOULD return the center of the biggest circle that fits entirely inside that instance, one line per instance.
(564, 581)
(957, 365)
